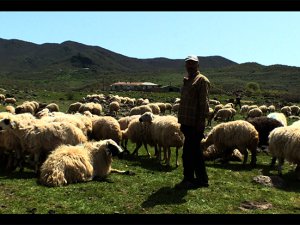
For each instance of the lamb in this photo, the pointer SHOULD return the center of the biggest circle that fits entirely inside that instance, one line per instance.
(81, 163)
(284, 143)
(106, 127)
(238, 134)
(211, 154)
(41, 138)
(264, 125)
(278, 116)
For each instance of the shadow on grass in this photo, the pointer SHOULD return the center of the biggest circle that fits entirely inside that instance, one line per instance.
(165, 196)
(18, 175)
(148, 163)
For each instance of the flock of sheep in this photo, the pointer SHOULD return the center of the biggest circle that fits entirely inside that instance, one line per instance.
(78, 145)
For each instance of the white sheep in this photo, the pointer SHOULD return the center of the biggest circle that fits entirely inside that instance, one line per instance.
(284, 143)
(41, 138)
(238, 134)
(114, 107)
(295, 110)
(223, 115)
(74, 107)
(81, 163)
(286, 110)
(139, 110)
(254, 112)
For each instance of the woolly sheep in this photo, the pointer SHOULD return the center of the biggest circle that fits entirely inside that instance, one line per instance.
(286, 110)
(209, 116)
(244, 109)
(264, 109)
(10, 109)
(168, 107)
(155, 108)
(74, 107)
(124, 122)
(175, 107)
(218, 107)
(41, 138)
(296, 123)
(238, 134)
(278, 116)
(162, 107)
(284, 143)
(139, 110)
(212, 154)
(53, 107)
(223, 114)
(94, 108)
(271, 108)
(165, 132)
(106, 127)
(255, 112)
(114, 107)
(81, 163)
(295, 110)
(9, 101)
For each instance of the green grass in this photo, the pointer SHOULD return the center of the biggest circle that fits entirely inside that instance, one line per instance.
(150, 191)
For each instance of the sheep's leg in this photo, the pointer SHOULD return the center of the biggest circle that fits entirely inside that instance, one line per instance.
(159, 153)
(36, 162)
(253, 157)
(273, 161)
(137, 147)
(177, 162)
(168, 149)
(245, 152)
(280, 163)
(145, 145)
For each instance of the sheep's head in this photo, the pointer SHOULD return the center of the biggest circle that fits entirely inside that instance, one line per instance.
(7, 124)
(113, 149)
(147, 117)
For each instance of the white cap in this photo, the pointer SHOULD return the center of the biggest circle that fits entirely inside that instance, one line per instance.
(192, 57)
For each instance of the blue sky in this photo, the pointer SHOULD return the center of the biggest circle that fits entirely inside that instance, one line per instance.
(264, 37)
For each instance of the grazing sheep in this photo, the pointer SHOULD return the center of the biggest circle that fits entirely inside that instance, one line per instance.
(278, 116)
(295, 110)
(218, 107)
(209, 116)
(223, 115)
(271, 108)
(41, 138)
(284, 143)
(264, 109)
(114, 107)
(74, 107)
(53, 107)
(94, 108)
(175, 107)
(286, 110)
(81, 163)
(162, 107)
(26, 107)
(9, 101)
(244, 109)
(139, 110)
(124, 122)
(154, 108)
(255, 112)
(238, 134)
(168, 107)
(264, 125)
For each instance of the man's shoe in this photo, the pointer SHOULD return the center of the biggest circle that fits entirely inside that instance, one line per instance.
(185, 185)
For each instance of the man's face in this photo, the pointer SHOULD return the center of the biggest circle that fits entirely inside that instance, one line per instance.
(191, 66)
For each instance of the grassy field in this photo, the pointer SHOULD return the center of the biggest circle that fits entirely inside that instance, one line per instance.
(150, 190)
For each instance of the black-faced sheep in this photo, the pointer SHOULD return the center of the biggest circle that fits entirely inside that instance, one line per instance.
(234, 134)
(81, 163)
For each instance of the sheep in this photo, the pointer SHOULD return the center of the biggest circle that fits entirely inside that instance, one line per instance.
(139, 110)
(271, 108)
(10, 109)
(244, 109)
(296, 123)
(168, 107)
(9, 101)
(53, 107)
(223, 114)
(209, 116)
(114, 107)
(155, 108)
(74, 107)
(26, 107)
(81, 163)
(238, 134)
(41, 138)
(165, 132)
(255, 112)
(264, 125)
(286, 110)
(278, 116)
(2, 97)
(162, 107)
(175, 107)
(106, 127)
(218, 107)
(211, 154)
(124, 122)
(295, 110)
(284, 143)
(94, 108)
(264, 109)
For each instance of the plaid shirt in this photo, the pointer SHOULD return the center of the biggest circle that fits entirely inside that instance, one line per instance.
(194, 101)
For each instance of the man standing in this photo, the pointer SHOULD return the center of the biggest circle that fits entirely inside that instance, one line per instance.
(191, 115)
